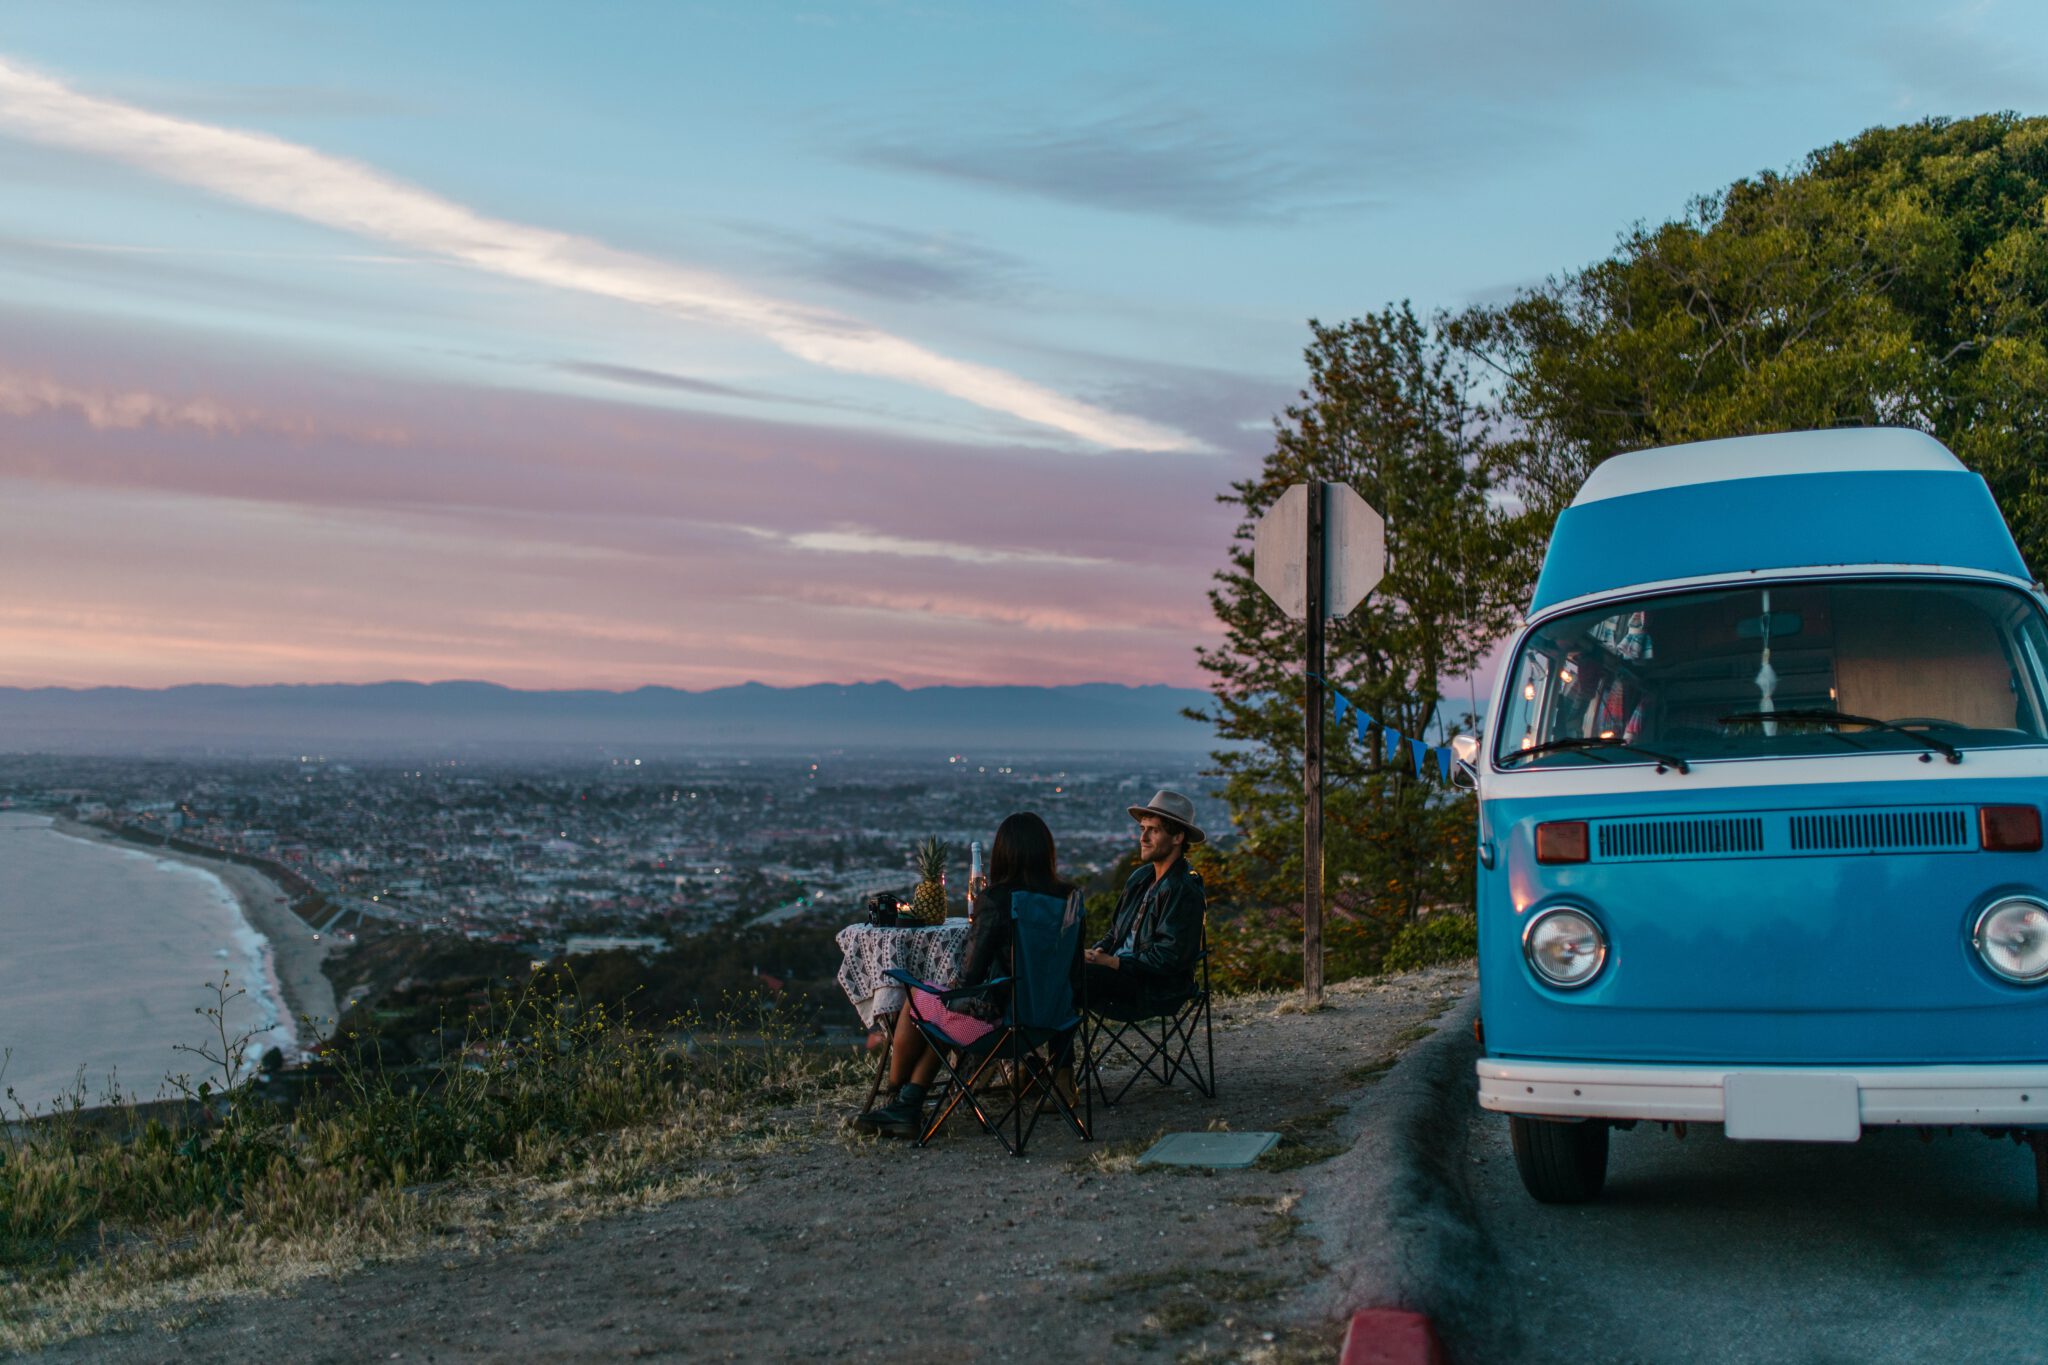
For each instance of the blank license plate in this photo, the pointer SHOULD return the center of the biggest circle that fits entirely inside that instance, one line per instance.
(1791, 1106)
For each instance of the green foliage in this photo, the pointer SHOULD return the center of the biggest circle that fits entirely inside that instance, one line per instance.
(1898, 278)
(423, 987)
(1098, 912)
(1390, 410)
(1261, 950)
(538, 1062)
(1436, 941)
(707, 974)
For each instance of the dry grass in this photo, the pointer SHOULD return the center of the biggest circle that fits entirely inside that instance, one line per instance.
(629, 1127)
(1114, 1158)
(268, 1251)
(240, 1256)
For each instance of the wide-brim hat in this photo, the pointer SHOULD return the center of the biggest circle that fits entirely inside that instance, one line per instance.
(1171, 805)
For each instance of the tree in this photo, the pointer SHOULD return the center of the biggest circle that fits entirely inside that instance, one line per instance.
(1390, 410)
(1899, 278)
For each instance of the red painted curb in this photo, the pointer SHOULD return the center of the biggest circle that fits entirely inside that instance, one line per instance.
(1391, 1336)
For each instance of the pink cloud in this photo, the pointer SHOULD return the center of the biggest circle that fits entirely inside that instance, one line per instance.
(103, 408)
(247, 523)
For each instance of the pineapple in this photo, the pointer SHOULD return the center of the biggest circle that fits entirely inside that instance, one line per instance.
(928, 904)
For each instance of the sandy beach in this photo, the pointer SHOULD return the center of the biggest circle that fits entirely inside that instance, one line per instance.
(296, 950)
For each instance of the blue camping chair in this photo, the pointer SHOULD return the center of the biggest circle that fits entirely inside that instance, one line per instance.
(1041, 1013)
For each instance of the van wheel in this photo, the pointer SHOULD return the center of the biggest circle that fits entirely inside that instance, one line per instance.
(1563, 1163)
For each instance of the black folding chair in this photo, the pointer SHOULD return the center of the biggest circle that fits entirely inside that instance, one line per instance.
(1040, 1015)
(1160, 1039)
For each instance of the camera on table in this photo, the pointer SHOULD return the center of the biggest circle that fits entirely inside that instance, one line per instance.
(882, 910)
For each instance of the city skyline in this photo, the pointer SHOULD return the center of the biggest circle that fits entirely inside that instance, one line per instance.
(689, 346)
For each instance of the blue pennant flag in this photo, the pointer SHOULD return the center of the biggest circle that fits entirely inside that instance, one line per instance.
(1443, 764)
(1337, 706)
(1421, 752)
(1393, 740)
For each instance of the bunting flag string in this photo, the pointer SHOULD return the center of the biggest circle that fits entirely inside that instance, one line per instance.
(1394, 747)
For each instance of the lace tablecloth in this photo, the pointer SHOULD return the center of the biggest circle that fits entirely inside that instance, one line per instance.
(931, 953)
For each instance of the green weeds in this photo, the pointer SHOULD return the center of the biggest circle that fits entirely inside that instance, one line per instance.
(1304, 1140)
(1371, 1073)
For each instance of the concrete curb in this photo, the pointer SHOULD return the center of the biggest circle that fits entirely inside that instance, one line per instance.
(1395, 1213)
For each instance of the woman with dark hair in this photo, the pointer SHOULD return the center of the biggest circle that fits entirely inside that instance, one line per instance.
(1022, 859)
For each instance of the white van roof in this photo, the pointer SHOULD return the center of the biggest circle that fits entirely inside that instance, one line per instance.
(1842, 451)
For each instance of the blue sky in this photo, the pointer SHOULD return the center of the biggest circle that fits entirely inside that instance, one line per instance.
(603, 345)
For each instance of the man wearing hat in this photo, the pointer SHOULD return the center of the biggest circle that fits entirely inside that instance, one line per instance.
(1147, 958)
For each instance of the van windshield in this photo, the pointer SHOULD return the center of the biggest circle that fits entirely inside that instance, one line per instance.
(1782, 670)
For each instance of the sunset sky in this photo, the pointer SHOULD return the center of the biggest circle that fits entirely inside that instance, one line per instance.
(602, 345)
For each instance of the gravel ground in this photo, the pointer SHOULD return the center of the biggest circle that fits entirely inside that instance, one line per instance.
(847, 1247)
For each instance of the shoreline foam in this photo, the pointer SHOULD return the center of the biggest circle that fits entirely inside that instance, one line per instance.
(283, 949)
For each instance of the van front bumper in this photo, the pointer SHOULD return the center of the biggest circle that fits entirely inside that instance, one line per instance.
(2011, 1096)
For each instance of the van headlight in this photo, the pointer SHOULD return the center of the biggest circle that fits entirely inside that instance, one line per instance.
(2012, 938)
(1564, 946)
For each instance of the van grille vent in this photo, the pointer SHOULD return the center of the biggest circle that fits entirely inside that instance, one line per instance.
(1714, 837)
(1882, 831)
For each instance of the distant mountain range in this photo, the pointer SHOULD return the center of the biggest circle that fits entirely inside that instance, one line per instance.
(480, 718)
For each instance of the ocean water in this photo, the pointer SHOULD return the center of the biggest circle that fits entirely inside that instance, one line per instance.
(105, 954)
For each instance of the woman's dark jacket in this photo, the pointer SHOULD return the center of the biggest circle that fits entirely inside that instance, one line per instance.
(1157, 932)
(989, 942)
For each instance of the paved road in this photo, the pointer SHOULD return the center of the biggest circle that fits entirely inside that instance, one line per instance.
(1709, 1250)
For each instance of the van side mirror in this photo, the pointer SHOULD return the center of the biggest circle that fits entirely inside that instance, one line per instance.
(1465, 750)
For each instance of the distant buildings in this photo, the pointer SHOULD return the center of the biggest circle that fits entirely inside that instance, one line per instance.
(597, 855)
(641, 945)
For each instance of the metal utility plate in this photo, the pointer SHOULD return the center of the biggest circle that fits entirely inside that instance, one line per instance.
(1223, 1151)
(1791, 1106)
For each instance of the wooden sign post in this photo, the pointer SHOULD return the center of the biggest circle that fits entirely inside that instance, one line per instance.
(1317, 552)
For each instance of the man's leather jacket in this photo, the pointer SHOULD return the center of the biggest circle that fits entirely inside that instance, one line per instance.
(1166, 913)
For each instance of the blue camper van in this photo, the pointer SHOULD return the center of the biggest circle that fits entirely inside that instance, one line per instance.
(1760, 809)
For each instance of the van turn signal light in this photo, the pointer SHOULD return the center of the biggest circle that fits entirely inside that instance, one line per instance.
(1564, 841)
(2007, 829)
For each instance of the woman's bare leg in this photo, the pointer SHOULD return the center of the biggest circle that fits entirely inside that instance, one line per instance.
(908, 1053)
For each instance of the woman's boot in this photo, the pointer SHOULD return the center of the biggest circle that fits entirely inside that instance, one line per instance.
(899, 1118)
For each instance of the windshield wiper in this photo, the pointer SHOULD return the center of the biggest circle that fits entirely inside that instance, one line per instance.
(1593, 742)
(1821, 716)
